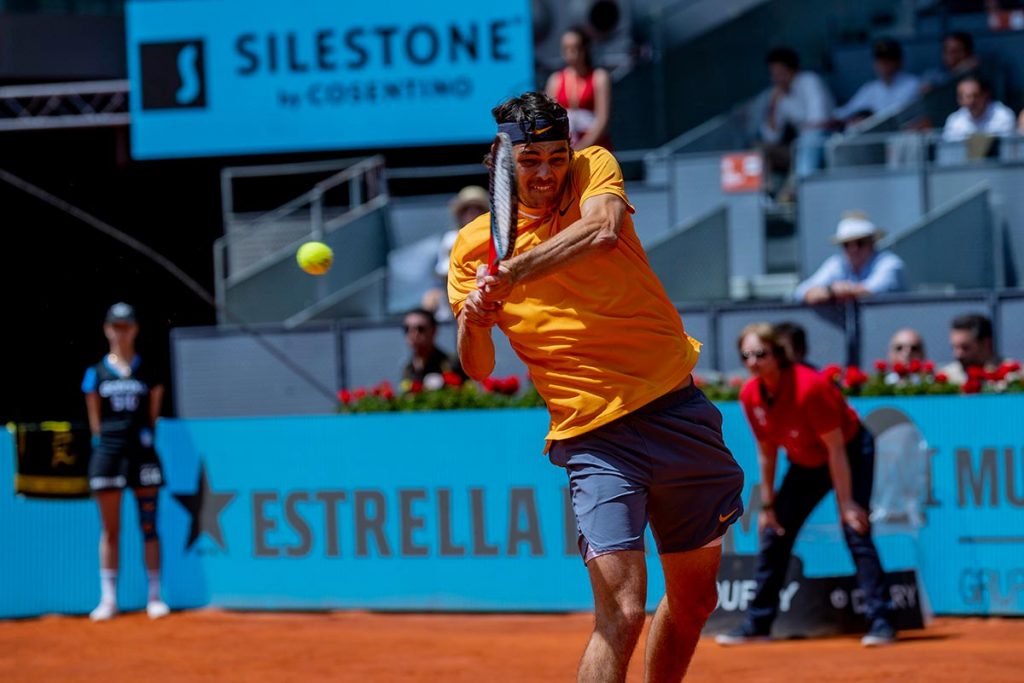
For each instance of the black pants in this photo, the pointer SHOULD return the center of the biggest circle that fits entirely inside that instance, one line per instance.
(801, 491)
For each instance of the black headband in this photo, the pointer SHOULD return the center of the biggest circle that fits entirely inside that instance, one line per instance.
(538, 130)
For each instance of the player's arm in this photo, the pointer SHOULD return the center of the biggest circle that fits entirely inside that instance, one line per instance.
(92, 408)
(597, 231)
(156, 402)
(850, 512)
(476, 348)
(767, 458)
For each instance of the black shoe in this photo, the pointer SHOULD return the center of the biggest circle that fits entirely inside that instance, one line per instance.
(880, 633)
(747, 633)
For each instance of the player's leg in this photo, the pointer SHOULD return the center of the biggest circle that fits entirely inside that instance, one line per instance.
(109, 503)
(619, 582)
(860, 453)
(147, 480)
(690, 597)
(607, 482)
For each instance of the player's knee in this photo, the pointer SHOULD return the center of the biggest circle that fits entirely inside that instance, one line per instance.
(147, 516)
(696, 606)
(626, 619)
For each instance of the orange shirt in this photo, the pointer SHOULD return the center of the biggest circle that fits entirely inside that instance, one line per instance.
(599, 336)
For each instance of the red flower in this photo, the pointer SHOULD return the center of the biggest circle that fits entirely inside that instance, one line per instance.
(881, 366)
(452, 379)
(1011, 365)
(899, 368)
(490, 383)
(972, 386)
(345, 396)
(915, 366)
(833, 372)
(387, 394)
(698, 380)
(976, 372)
(383, 388)
(855, 377)
(941, 377)
(359, 394)
(416, 387)
(510, 385)
(736, 382)
(928, 366)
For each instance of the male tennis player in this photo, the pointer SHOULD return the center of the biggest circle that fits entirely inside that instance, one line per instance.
(607, 351)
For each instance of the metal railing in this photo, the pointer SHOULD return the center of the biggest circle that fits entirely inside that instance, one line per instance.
(64, 105)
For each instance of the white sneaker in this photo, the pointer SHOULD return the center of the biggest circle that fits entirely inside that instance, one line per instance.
(104, 611)
(157, 609)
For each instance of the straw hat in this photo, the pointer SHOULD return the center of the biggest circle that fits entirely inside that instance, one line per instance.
(856, 225)
(471, 195)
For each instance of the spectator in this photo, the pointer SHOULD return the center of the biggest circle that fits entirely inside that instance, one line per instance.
(892, 90)
(793, 338)
(471, 201)
(429, 365)
(970, 337)
(859, 271)
(978, 113)
(799, 109)
(1020, 123)
(584, 91)
(904, 347)
(958, 60)
(803, 412)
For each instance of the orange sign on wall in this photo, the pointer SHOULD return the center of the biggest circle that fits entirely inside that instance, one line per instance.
(742, 172)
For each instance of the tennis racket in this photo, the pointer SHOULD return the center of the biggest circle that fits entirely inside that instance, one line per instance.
(504, 201)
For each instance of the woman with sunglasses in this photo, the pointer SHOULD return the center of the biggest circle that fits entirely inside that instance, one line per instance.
(795, 408)
(858, 271)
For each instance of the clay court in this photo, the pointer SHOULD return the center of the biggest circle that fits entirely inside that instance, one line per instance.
(209, 645)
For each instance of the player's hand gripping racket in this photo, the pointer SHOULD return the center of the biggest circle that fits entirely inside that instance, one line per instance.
(504, 200)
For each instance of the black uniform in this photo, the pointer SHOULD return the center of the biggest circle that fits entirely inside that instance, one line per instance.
(125, 455)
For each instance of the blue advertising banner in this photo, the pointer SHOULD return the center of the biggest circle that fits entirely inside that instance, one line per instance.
(419, 511)
(224, 77)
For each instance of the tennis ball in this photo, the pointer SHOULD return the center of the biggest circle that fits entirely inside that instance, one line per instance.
(315, 258)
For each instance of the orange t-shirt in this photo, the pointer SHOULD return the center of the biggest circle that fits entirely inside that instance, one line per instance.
(599, 336)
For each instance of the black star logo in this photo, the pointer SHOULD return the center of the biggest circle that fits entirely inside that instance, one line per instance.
(205, 507)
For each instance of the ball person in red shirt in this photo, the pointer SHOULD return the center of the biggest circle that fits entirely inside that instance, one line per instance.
(795, 408)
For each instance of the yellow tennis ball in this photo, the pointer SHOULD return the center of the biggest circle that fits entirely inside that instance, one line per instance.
(315, 258)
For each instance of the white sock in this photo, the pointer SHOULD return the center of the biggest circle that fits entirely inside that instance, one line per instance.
(108, 586)
(154, 585)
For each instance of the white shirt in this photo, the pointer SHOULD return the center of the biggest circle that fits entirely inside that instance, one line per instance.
(998, 119)
(877, 96)
(808, 102)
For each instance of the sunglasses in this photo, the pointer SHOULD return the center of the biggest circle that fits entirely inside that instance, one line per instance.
(913, 348)
(415, 328)
(862, 242)
(757, 353)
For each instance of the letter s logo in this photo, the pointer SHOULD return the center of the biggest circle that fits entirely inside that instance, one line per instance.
(173, 75)
(188, 71)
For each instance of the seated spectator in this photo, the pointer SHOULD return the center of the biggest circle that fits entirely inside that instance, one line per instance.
(428, 364)
(799, 110)
(892, 90)
(970, 337)
(858, 271)
(793, 340)
(905, 347)
(978, 113)
(958, 60)
(1020, 123)
(471, 201)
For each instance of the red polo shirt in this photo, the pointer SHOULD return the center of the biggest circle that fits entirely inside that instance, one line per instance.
(806, 405)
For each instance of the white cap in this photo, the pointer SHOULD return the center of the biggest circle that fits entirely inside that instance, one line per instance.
(855, 227)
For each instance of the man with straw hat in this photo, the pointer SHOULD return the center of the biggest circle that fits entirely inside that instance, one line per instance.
(858, 270)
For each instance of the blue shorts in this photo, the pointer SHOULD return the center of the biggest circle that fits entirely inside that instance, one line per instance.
(665, 462)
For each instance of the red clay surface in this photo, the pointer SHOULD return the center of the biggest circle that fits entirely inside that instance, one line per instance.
(220, 646)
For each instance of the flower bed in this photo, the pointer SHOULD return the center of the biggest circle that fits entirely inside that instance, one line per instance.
(450, 392)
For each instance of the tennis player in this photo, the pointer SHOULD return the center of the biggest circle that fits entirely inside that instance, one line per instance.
(122, 396)
(607, 351)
